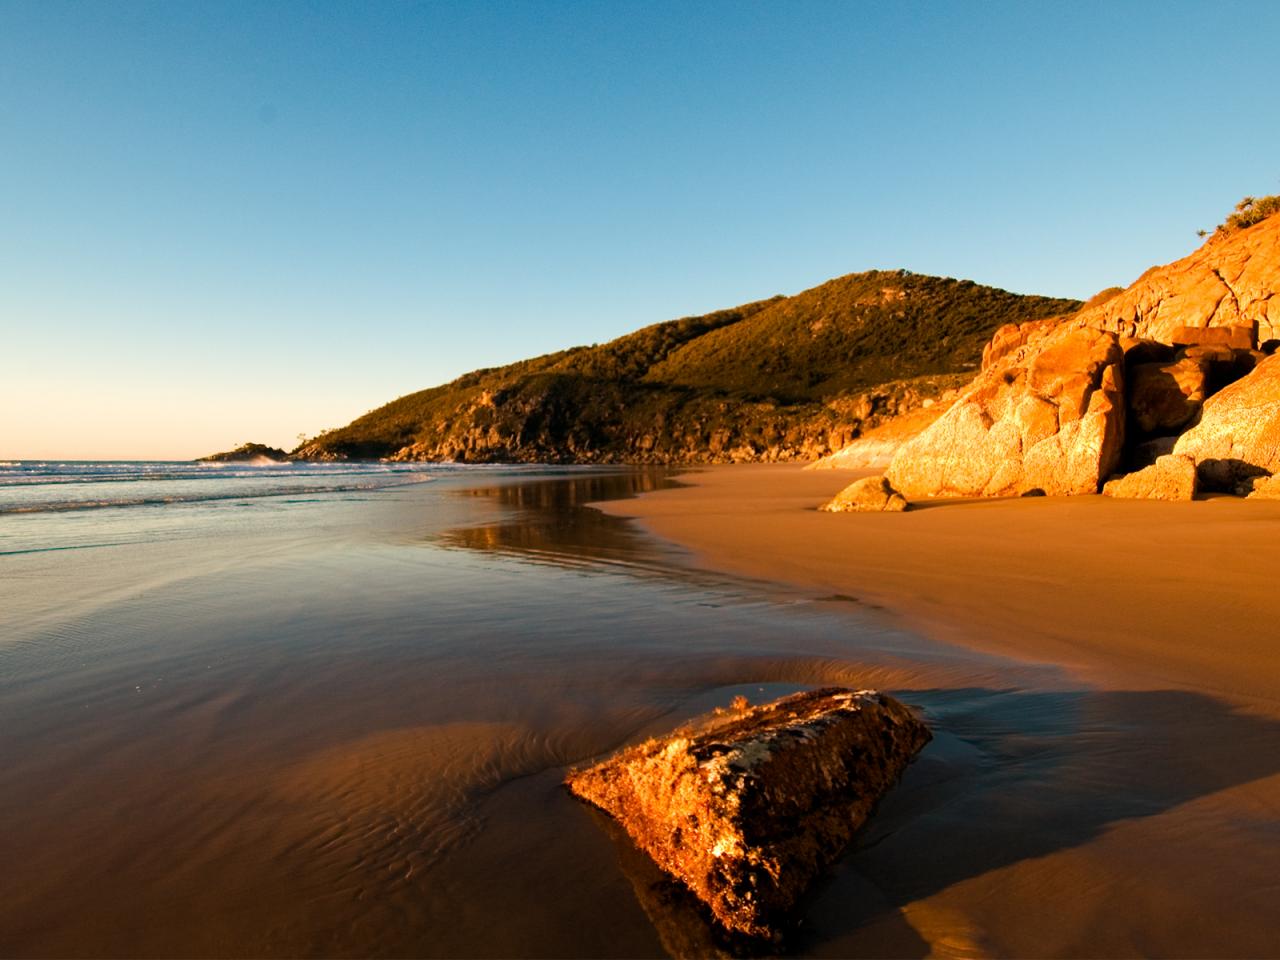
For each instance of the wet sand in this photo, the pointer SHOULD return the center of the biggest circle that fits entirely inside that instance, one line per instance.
(1146, 824)
(1154, 593)
(337, 727)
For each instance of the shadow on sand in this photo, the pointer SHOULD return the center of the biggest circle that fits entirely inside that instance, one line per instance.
(1011, 776)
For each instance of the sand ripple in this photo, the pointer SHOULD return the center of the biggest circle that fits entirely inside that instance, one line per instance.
(389, 804)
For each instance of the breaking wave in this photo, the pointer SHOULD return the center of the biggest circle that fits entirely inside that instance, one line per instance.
(49, 486)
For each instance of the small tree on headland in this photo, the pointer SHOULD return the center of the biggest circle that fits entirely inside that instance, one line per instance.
(1248, 211)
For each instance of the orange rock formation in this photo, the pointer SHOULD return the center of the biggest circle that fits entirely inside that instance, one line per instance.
(748, 806)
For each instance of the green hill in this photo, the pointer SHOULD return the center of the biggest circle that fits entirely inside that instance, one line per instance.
(785, 378)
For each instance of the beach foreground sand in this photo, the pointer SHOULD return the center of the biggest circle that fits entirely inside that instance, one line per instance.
(1136, 813)
(1123, 592)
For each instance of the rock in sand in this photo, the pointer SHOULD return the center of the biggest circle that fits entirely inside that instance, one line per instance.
(1171, 477)
(870, 494)
(748, 806)
(1260, 488)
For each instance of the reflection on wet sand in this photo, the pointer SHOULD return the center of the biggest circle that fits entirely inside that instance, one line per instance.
(353, 745)
(1066, 823)
(549, 520)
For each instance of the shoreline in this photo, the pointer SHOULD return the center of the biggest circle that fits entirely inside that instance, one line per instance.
(1129, 812)
(1142, 594)
(368, 709)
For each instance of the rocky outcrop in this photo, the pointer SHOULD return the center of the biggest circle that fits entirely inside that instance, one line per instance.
(1164, 397)
(1048, 416)
(1054, 405)
(1229, 282)
(1238, 434)
(874, 449)
(1171, 477)
(1015, 336)
(871, 452)
(748, 807)
(868, 495)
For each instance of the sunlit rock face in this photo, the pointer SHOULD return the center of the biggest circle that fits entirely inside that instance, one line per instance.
(1047, 415)
(1171, 477)
(746, 807)
(1227, 285)
(1184, 348)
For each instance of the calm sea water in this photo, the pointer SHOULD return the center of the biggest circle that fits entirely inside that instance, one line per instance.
(326, 710)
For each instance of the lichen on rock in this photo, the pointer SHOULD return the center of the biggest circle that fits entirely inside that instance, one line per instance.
(746, 808)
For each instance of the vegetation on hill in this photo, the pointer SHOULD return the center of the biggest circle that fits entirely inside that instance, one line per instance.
(1248, 211)
(785, 378)
(1102, 296)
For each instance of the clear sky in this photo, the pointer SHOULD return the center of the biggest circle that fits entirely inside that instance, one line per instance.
(229, 221)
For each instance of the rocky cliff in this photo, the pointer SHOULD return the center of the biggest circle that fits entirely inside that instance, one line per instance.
(1172, 373)
(788, 378)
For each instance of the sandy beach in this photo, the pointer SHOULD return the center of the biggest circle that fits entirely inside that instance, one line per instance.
(1143, 825)
(1120, 591)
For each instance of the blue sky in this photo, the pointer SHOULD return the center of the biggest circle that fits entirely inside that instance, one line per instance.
(227, 221)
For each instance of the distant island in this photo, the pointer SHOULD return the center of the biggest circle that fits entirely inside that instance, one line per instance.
(249, 453)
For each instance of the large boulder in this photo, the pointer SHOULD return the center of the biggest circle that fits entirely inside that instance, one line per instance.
(1169, 478)
(868, 495)
(1238, 435)
(1163, 397)
(747, 807)
(1048, 416)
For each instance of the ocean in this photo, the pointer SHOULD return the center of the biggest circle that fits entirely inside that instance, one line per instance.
(325, 710)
